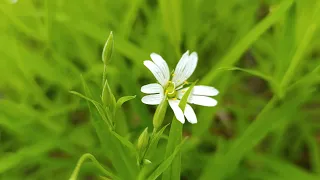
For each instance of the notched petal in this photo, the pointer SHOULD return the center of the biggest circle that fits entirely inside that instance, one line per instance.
(202, 100)
(153, 99)
(190, 114)
(152, 88)
(174, 104)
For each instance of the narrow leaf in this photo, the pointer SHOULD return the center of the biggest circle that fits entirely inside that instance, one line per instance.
(98, 106)
(259, 74)
(123, 100)
(124, 141)
(166, 163)
(84, 97)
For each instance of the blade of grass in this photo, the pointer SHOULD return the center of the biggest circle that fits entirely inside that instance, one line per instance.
(253, 135)
(234, 54)
(296, 60)
(171, 15)
(166, 163)
(284, 169)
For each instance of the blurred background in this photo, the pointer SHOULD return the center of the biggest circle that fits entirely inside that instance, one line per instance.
(266, 124)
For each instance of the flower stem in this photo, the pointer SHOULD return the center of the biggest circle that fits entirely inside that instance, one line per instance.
(95, 162)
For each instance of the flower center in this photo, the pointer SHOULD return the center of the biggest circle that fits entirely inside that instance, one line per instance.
(171, 90)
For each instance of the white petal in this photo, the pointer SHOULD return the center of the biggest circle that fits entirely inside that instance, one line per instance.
(190, 115)
(156, 71)
(185, 67)
(202, 100)
(180, 67)
(205, 90)
(161, 63)
(200, 90)
(174, 104)
(153, 99)
(191, 65)
(152, 88)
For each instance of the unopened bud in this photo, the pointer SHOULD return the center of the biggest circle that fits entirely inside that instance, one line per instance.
(160, 114)
(107, 97)
(107, 50)
(143, 140)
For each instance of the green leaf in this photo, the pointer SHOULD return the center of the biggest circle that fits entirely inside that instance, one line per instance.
(266, 77)
(175, 137)
(171, 16)
(123, 100)
(124, 141)
(283, 169)
(310, 78)
(250, 71)
(166, 163)
(155, 139)
(85, 97)
(296, 59)
(184, 99)
(157, 135)
(104, 115)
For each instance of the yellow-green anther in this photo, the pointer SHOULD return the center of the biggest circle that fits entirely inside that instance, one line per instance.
(160, 114)
(107, 97)
(143, 140)
(107, 50)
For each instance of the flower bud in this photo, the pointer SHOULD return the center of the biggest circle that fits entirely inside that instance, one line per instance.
(160, 114)
(107, 97)
(146, 161)
(143, 140)
(107, 50)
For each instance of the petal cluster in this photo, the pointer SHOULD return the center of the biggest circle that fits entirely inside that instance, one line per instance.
(199, 95)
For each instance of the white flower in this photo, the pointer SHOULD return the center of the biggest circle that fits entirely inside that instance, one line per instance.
(174, 87)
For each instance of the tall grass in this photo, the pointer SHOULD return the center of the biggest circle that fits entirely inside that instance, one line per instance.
(263, 57)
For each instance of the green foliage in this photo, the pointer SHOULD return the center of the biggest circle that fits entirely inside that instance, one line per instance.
(262, 56)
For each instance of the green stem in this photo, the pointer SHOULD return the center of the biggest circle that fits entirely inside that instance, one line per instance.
(104, 76)
(95, 162)
(175, 137)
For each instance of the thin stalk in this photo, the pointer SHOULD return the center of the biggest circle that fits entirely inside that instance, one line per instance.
(95, 162)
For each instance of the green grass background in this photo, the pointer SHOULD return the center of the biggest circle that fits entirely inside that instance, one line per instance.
(262, 55)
